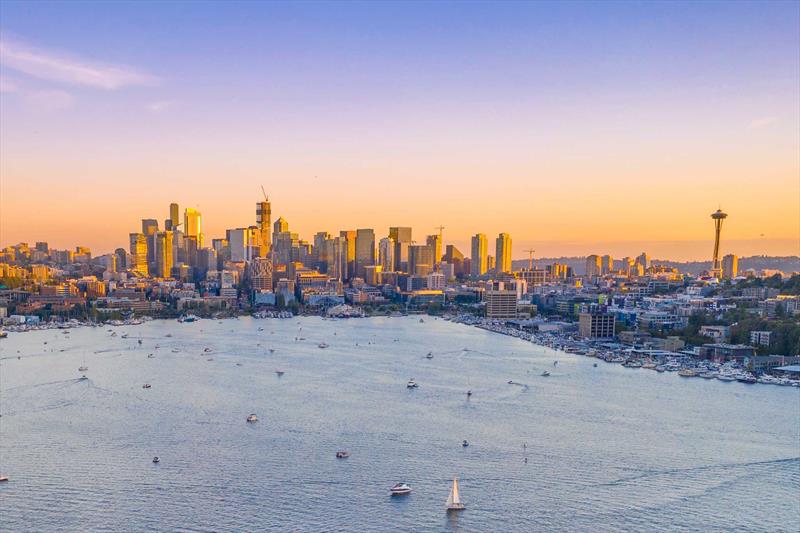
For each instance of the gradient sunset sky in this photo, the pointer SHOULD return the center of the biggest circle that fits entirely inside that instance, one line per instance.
(576, 127)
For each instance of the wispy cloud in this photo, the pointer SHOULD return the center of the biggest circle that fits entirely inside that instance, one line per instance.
(54, 100)
(762, 122)
(63, 68)
(158, 107)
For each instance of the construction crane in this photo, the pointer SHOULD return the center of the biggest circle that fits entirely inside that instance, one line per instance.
(266, 198)
(441, 234)
(530, 258)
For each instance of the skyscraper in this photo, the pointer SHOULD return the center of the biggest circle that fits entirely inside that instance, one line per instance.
(479, 257)
(606, 264)
(718, 216)
(138, 251)
(320, 250)
(420, 260)
(435, 242)
(453, 256)
(263, 217)
(192, 225)
(174, 217)
(503, 253)
(402, 240)
(594, 266)
(644, 261)
(386, 254)
(348, 243)
(730, 266)
(163, 253)
(149, 229)
(365, 250)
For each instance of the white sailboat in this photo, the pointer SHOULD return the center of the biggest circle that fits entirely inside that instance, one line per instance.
(454, 501)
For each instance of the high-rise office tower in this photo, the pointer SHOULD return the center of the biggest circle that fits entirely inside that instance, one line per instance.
(138, 250)
(320, 250)
(606, 264)
(149, 230)
(594, 266)
(435, 242)
(261, 274)
(730, 266)
(386, 254)
(192, 225)
(503, 253)
(420, 260)
(163, 252)
(263, 218)
(121, 259)
(174, 218)
(453, 256)
(718, 216)
(402, 240)
(365, 250)
(479, 258)
(348, 240)
(280, 225)
(644, 261)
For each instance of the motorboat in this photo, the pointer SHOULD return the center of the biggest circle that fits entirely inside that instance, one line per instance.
(83, 378)
(156, 460)
(322, 345)
(3, 478)
(595, 365)
(342, 454)
(726, 377)
(632, 364)
(545, 373)
(421, 321)
(746, 378)
(252, 418)
(83, 368)
(400, 489)
(206, 349)
(412, 384)
(454, 502)
(687, 373)
(150, 356)
(146, 386)
(464, 443)
(279, 372)
(469, 393)
(708, 375)
(660, 368)
(429, 356)
(272, 350)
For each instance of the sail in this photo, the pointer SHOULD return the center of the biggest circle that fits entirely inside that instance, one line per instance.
(454, 492)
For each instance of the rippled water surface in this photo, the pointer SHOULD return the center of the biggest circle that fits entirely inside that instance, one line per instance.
(607, 448)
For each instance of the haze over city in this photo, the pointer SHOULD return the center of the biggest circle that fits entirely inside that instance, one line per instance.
(573, 128)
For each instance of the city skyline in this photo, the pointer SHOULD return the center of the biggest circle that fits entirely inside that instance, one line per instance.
(583, 143)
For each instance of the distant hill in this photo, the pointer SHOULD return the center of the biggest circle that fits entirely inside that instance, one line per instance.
(787, 264)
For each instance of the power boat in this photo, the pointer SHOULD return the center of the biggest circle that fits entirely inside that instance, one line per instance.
(252, 418)
(322, 345)
(83, 378)
(342, 454)
(411, 384)
(400, 489)
(83, 368)
(464, 443)
(454, 502)
(146, 386)
(545, 373)
(3, 478)
(469, 393)
(156, 460)
(687, 373)
(429, 356)
(279, 372)
(726, 377)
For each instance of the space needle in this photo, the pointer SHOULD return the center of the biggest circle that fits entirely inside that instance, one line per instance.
(718, 216)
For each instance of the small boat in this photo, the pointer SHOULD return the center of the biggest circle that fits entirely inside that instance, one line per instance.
(156, 459)
(322, 345)
(150, 356)
(555, 363)
(660, 368)
(252, 418)
(469, 393)
(146, 386)
(3, 478)
(279, 372)
(545, 373)
(411, 384)
(595, 365)
(140, 341)
(747, 379)
(175, 350)
(206, 349)
(342, 454)
(272, 350)
(83, 378)
(708, 375)
(421, 321)
(464, 443)
(83, 368)
(726, 377)
(687, 373)
(429, 356)
(210, 359)
(454, 500)
(400, 489)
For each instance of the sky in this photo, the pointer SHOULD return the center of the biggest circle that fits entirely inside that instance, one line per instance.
(576, 127)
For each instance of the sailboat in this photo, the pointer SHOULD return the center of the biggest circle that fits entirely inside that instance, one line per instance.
(83, 367)
(454, 501)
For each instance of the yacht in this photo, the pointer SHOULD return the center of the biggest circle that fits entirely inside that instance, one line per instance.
(632, 364)
(660, 368)
(342, 454)
(400, 489)
(454, 499)
(687, 373)
(252, 418)
(83, 368)
(726, 377)
(545, 373)
(411, 384)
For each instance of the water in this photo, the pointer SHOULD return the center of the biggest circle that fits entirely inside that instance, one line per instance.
(608, 448)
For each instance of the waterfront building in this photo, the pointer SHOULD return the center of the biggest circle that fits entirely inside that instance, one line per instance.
(760, 338)
(503, 253)
(479, 257)
(596, 325)
(436, 281)
(500, 304)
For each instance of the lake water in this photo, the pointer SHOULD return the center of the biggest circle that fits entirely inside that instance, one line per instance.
(608, 448)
